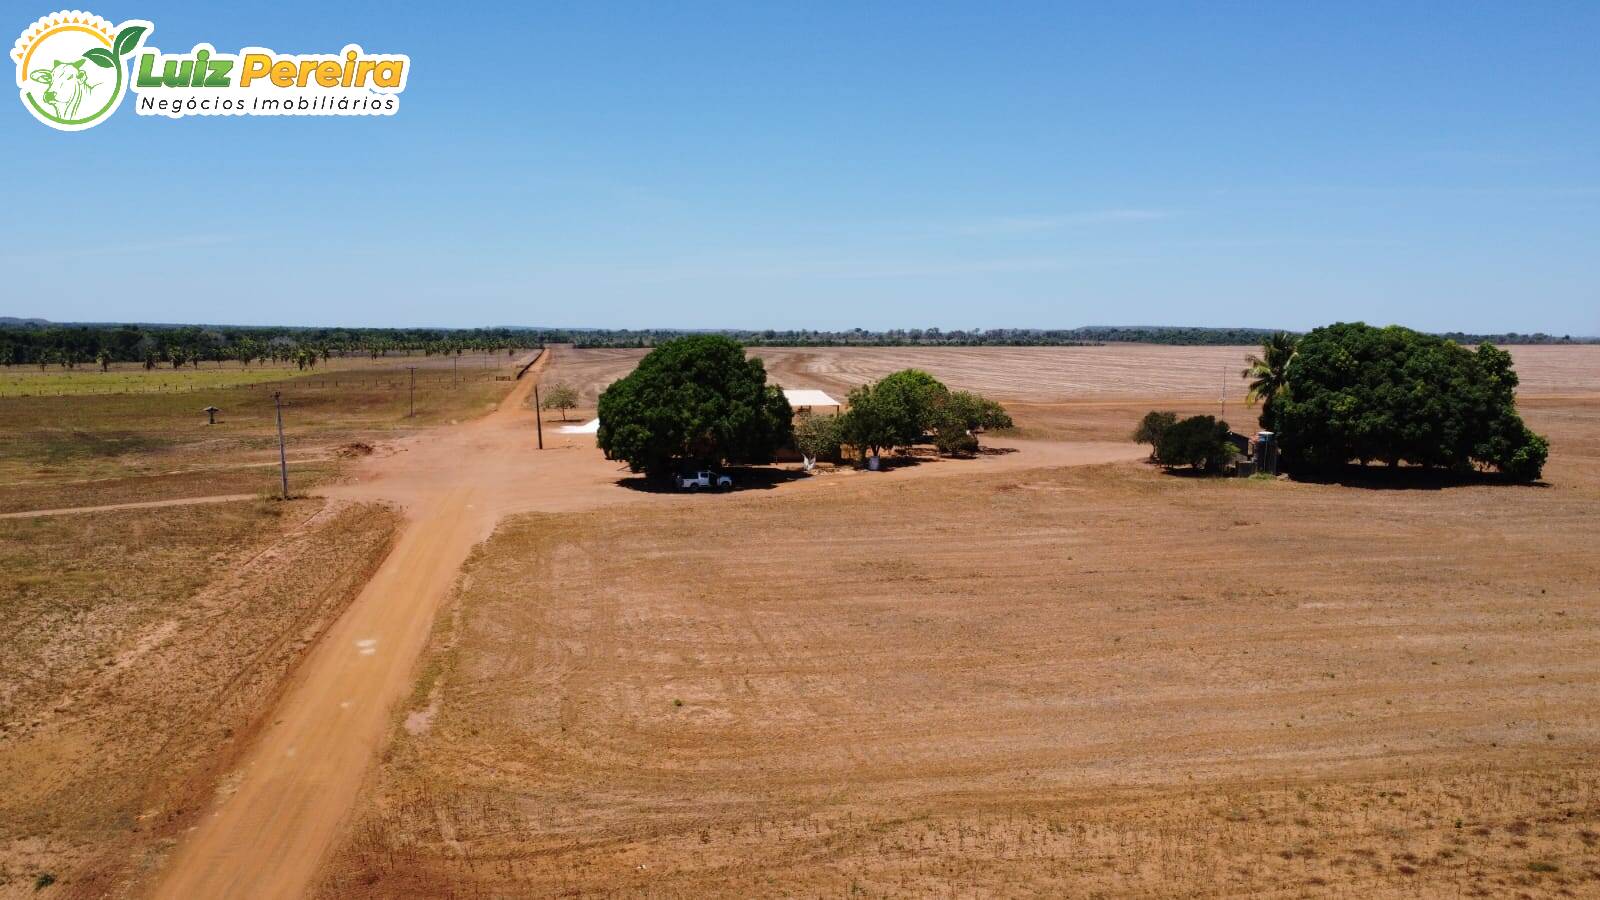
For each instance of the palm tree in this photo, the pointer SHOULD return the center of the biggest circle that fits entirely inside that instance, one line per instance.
(1269, 372)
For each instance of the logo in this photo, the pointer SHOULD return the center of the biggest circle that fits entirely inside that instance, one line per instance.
(73, 69)
(70, 67)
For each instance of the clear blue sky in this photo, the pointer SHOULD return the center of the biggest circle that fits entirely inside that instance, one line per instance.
(764, 164)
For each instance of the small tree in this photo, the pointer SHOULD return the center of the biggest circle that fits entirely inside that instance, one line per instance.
(818, 437)
(1152, 427)
(1200, 442)
(561, 397)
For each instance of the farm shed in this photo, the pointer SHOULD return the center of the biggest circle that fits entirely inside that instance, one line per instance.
(811, 400)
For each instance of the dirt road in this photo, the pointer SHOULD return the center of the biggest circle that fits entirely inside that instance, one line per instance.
(294, 792)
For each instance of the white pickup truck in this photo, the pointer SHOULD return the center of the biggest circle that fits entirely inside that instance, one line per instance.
(705, 478)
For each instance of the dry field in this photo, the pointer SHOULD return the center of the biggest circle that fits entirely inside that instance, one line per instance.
(1088, 681)
(142, 649)
(144, 646)
(1059, 374)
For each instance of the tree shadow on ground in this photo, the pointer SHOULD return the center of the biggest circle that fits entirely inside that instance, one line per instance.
(745, 478)
(1409, 478)
(1383, 478)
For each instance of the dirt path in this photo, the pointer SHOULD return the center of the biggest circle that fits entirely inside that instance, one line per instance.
(297, 786)
(147, 504)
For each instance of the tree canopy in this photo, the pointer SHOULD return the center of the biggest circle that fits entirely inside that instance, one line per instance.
(693, 399)
(1360, 393)
(905, 406)
(1200, 442)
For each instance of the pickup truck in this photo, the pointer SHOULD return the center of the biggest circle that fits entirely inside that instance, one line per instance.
(705, 478)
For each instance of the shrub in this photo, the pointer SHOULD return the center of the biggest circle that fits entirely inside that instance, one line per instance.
(1200, 442)
(818, 437)
(1359, 393)
(1152, 426)
(693, 398)
(952, 437)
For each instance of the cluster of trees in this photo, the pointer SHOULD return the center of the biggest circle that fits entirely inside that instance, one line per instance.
(1350, 392)
(908, 406)
(902, 409)
(699, 399)
(1198, 442)
(70, 346)
(1354, 392)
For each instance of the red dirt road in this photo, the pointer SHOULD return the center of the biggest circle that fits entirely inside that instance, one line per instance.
(284, 809)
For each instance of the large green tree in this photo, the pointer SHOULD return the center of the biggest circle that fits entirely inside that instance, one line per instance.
(1364, 394)
(693, 399)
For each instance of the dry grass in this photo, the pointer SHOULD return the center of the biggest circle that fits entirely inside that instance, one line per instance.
(110, 448)
(142, 647)
(1074, 682)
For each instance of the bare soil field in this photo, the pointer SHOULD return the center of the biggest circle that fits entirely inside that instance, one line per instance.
(1058, 374)
(1052, 670)
(1100, 680)
(145, 646)
(142, 649)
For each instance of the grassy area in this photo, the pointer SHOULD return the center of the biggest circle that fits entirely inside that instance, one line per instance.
(131, 378)
(51, 441)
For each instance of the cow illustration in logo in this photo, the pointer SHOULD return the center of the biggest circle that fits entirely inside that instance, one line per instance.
(67, 85)
(72, 69)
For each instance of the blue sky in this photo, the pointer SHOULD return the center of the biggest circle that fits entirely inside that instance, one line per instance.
(835, 165)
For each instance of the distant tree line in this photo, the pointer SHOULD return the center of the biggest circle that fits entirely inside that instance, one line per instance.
(37, 342)
(71, 346)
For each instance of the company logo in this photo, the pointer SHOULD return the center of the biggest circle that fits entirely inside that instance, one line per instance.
(73, 69)
(70, 68)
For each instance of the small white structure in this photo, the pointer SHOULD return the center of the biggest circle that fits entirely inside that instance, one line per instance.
(810, 400)
(590, 427)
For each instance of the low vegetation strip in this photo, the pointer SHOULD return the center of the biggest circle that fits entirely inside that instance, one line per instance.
(143, 504)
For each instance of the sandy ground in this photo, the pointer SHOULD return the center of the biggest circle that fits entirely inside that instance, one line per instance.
(299, 784)
(828, 771)
(1060, 374)
(143, 648)
(1093, 681)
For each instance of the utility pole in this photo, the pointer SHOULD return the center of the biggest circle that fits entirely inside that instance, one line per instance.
(413, 413)
(283, 458)
(538, 416)
(454, 365)
(1223, 397)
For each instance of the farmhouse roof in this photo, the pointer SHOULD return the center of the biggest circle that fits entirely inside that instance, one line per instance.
(808, 397)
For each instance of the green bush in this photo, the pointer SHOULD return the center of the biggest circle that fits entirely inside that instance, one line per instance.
(1200, 442)
(1364, 394)
(694, 398)
(818, 437)
(1152, 427)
